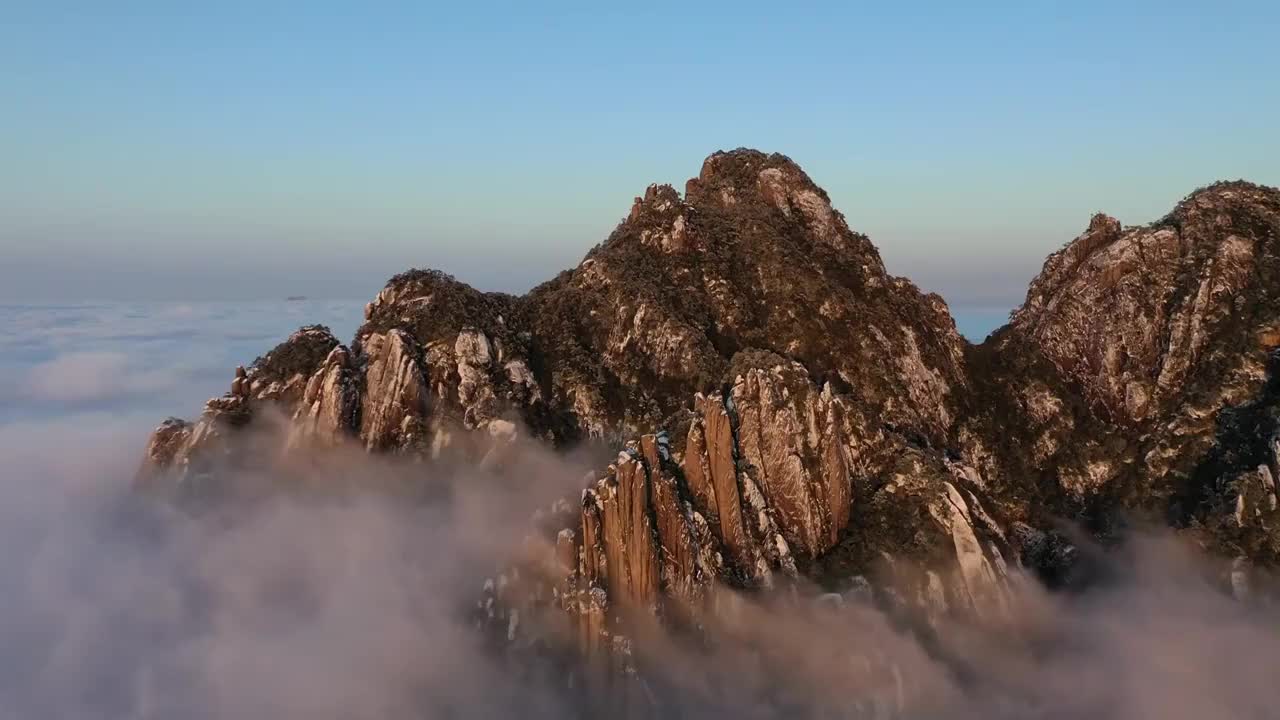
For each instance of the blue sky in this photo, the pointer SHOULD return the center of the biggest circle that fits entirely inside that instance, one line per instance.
(242, 150)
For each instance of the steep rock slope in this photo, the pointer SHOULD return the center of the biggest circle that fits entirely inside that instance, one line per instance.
(787, 412)
(1119, 377)
(752, 258)
(308, 376)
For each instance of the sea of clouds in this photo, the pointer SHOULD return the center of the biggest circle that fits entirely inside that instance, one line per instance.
(129, 359)
(358, 604)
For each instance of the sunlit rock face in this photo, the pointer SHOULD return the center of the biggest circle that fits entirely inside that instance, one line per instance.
(753, 257)
(1129, 316)
(784, 414)
(307, 375)
(1117, 383)
(755, 489)
(395, 398)
(330, 403)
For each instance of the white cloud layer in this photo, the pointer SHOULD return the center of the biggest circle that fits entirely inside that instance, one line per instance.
(356, 604)
(125, 357)
(86, 377)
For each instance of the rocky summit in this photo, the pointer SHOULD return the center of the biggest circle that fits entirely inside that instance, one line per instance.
(787, 413)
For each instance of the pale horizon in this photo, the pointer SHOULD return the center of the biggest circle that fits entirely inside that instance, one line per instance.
(235, 153)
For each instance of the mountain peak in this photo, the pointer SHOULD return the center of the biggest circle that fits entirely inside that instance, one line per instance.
(1225, 202)
(742, 163)
(785, 407)
(738, 176)
(1225, 191)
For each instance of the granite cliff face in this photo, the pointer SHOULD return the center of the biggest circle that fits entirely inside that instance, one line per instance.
(788, 414)
(1121, 382)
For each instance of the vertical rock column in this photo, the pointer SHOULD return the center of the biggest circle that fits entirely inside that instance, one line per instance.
(395, 396)
(710, 469)
(791, 436)
(330, 404)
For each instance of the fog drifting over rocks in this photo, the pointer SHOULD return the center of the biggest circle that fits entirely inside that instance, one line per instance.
(356, 604)
(354, 599)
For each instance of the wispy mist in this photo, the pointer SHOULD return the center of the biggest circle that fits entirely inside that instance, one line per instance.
(353, 600)
(346, 587)
(342, 603)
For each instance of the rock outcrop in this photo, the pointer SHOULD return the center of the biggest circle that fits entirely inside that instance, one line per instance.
(330, 403)
(753, 257)
(1109, 389)
(787, 413)
(307, 377)
(757, 487)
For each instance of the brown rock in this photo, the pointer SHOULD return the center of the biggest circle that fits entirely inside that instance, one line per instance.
(394, 401)
(330, 404)
(827, 418)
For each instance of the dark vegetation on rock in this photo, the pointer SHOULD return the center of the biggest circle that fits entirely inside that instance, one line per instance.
(300, 354)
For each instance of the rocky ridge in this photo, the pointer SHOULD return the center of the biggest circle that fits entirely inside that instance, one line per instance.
(787, 412)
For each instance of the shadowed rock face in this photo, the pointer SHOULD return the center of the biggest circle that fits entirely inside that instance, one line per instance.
(784, 409)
